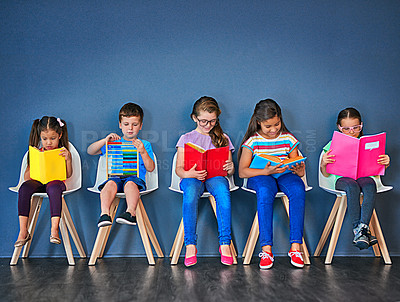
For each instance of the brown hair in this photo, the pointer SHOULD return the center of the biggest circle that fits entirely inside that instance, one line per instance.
(210, 105)
(46, 123)
(264, 110)
(131, 109)
(349, 113)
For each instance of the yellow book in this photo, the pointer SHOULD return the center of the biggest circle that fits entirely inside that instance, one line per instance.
(46, 166)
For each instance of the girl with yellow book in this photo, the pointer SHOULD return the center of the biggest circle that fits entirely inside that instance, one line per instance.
(47, 133)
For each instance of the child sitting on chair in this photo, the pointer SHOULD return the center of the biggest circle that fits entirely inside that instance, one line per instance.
(130, 123)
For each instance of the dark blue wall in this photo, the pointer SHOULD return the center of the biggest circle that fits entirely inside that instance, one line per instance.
(82, 62)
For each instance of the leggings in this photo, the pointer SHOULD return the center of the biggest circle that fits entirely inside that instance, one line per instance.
(53, 189)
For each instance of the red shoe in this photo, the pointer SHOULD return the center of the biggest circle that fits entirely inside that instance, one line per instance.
(227, 260)
(190, 261)
(267, 260)
(296, 258)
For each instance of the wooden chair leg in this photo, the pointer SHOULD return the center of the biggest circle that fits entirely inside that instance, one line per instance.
(145, 237)
(252, 240)
(32, 216)
(113, 211)
(381, 240)
(336, 229)
(285, 201)
(35, 210)
(232, 247)
(178, 244)
(102, 236)
(150, 230)
(246, 247)
(71, 227)
(375, 247)
(66, 241)
(328, 227)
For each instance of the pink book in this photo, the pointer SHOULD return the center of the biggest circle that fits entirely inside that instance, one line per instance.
(355, 157)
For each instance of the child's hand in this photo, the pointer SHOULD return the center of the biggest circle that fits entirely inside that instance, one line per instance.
(112, 137)
(139, 146)
(299, 169)
(268, 170)
(200, 175)
(327, 159)
(65, 153)
(384, 160)
(228, 167)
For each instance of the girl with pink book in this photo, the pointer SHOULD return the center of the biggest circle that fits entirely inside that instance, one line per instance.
(349, 123)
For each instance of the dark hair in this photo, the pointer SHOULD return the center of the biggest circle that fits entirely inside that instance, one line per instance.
(210, 105)
(131, 109)
(46, 123)
(264, 110)
(349, 113)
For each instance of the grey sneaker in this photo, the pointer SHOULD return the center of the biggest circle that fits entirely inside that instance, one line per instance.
(360, 238)
(126, 218)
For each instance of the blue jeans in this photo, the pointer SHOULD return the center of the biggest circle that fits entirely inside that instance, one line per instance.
(266, 188)
(353, 188)
(192, 190)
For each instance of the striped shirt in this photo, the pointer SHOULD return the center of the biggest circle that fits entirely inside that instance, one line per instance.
(280, 146)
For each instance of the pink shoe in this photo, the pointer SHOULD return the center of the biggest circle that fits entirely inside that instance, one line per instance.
(190, 261)
(296, 258)
(227, 260)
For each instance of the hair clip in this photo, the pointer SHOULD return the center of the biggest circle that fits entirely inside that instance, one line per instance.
(60, 122)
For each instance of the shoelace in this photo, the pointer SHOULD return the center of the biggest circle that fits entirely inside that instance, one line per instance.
(297, 254)
(263, 255)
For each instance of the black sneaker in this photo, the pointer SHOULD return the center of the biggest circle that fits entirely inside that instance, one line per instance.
(104, 220)
(360, 238)
(126, 218)
(372, 239)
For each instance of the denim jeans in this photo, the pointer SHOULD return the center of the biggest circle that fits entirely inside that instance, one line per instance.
(353, 188)
(192, 190)
(266, 188)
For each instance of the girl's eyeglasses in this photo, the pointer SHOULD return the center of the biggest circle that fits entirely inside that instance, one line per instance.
(357, 128)
(205, 122)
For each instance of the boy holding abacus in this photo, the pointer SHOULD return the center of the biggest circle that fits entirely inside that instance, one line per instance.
(130, 123)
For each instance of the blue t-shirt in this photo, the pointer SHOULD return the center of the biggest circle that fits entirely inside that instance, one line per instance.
(142, 168)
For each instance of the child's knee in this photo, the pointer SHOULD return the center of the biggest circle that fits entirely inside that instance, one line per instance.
(109, 187)
(131, 187)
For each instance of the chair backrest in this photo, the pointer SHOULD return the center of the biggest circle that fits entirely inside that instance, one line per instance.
(73, 183)
(175, 180)
(101, 176)
(328, 183)
(279, 194)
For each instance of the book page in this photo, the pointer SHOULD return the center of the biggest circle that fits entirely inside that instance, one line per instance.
(371, 147)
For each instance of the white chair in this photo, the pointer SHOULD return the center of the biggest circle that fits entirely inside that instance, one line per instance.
(336, 217)
(145, 229)
(179, 238)
(66, 224)
(255, 232)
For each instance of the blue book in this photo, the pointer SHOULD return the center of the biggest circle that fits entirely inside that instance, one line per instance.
(260, 162)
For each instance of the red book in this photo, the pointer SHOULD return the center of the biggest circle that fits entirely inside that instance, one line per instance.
(211, 160)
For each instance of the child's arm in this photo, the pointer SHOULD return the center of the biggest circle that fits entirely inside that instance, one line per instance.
(384, 160)
(300, 168)
(229, 166)
(147, 161)
(246, 172)
(68, 160)
(326, 159)
(192, 173)
(95, 148)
